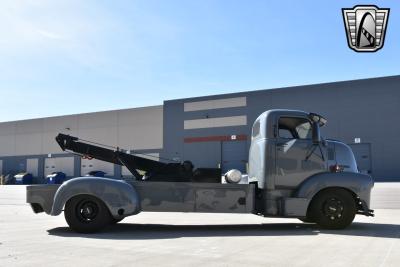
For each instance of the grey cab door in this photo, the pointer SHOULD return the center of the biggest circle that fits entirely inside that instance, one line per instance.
(296, 157)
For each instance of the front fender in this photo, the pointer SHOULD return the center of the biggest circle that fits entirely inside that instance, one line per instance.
(359, 184)
(117, 195)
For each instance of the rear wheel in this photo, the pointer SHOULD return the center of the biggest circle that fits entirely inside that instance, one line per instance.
(333, 209)
(86, 214)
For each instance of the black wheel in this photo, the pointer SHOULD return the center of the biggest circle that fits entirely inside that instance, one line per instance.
(86, 214)
(333, 209)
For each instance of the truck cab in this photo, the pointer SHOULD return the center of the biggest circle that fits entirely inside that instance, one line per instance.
(287, 153)
(282, 151)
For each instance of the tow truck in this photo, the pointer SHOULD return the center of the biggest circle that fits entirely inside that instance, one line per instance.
(293, 173)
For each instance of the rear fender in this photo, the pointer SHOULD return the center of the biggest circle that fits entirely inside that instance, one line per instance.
(120, 197)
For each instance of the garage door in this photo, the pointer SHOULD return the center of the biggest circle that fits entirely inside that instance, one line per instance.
(362, 153)
(203, 154)
(32, 166)
(96, 165)
(234, 156)
(60, 164)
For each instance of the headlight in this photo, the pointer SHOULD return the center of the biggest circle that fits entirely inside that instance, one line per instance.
(233, 176)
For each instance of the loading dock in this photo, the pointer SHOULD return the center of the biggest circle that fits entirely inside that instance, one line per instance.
(32, 166)
(88, 165)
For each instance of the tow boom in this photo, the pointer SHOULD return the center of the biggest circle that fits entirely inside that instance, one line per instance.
(155, 170)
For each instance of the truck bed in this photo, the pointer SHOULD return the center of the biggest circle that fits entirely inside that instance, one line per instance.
(40, 197)
(169, 197)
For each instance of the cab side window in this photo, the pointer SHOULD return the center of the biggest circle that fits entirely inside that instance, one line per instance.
(295, 128)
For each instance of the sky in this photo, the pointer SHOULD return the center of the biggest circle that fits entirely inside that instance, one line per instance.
(72, 56)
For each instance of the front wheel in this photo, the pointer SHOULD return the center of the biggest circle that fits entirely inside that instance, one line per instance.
(86, 214)
(333, 209)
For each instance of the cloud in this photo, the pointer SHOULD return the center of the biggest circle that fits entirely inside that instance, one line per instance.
(51, 35)
(38, 28)
(43, 40)
(20, 24)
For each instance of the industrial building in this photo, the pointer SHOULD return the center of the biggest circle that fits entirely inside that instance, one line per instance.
(214, 130)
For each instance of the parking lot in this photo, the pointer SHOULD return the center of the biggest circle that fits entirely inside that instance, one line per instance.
(179, 239)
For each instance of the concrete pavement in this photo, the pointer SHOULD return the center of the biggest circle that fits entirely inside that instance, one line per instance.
(179, 239)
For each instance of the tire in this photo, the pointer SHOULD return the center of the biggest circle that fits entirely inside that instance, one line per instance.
(86, 214)
(333, 209)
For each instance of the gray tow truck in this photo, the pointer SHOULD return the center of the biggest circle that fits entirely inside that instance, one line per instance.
(293, 173)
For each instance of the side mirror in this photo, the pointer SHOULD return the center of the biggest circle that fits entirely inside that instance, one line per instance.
(316, 134)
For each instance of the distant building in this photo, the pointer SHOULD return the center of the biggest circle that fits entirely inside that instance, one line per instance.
(214, 130)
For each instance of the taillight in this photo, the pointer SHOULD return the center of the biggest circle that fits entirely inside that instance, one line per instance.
(336, 168)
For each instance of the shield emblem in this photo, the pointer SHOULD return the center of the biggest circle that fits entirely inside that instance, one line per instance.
(365, 27)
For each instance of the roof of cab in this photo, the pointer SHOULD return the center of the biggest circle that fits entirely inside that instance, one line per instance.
(270, 112)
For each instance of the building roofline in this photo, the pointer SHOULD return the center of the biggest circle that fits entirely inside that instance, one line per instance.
(272, 90)
(79, 114)
(205, 97)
